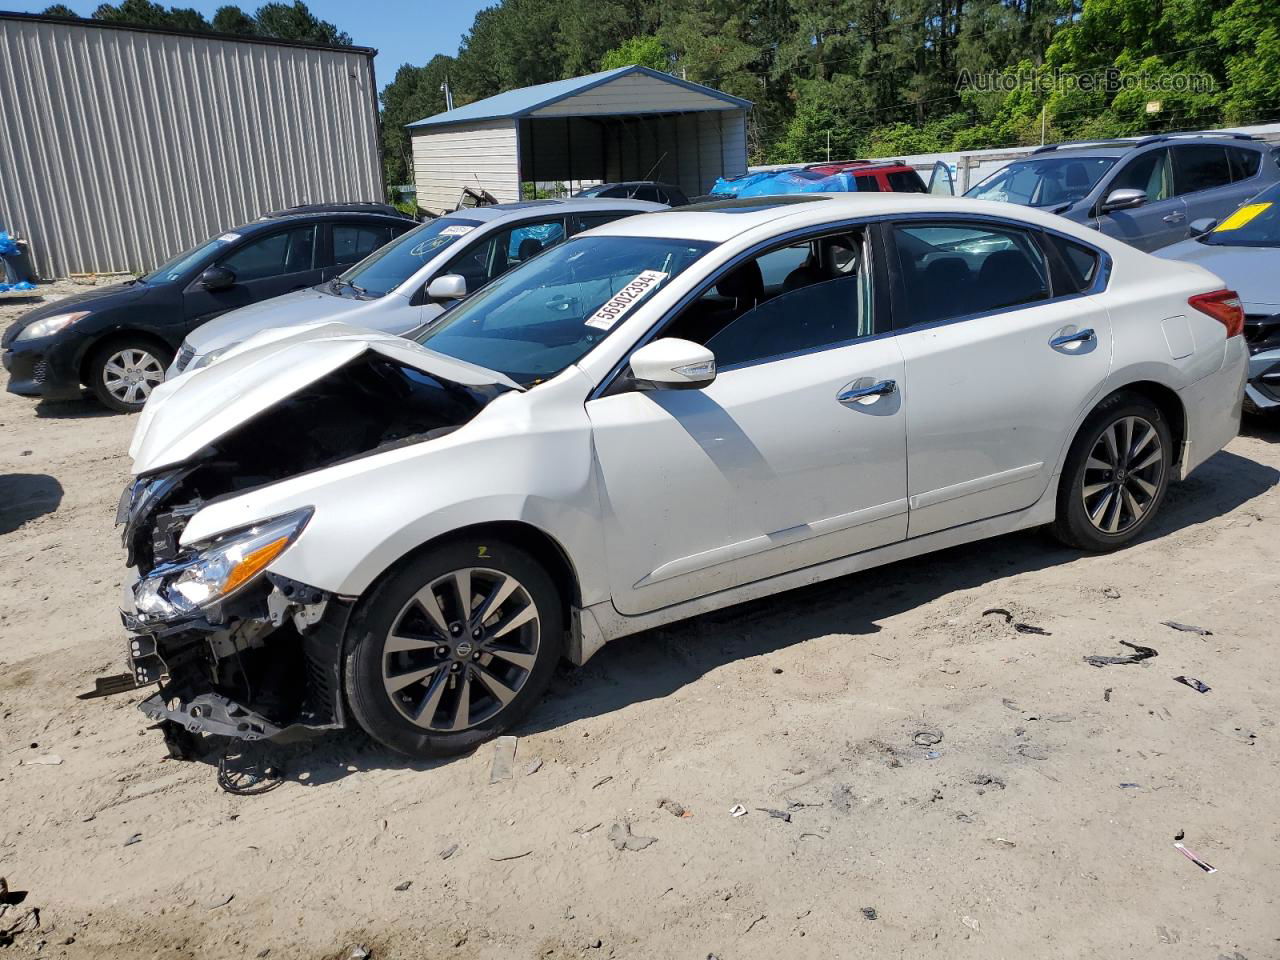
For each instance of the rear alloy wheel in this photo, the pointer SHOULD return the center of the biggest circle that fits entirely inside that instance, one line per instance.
(1116, 474)
(453, 648)
(122, 375)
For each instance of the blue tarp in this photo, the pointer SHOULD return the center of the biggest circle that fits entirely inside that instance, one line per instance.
(784, 181)
(8, 246)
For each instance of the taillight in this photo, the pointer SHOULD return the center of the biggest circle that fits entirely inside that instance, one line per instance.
(1224, 306)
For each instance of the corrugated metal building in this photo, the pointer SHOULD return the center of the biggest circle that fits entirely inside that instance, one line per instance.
(122, 145)
(631, 123)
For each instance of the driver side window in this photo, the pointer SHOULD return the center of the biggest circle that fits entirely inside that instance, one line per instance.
(807, 295)
(500, 251)
(1149, 172)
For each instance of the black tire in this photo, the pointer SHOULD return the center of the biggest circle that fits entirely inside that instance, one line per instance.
(392, 604)
(107, 385)
(1073, 525)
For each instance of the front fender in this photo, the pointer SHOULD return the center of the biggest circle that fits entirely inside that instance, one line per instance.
(525, 458)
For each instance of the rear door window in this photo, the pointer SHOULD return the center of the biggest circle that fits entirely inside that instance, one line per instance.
(647, 192)
(950, 270)
(1200, 167)
(586, 221)
(869, 183)
(353, 242)
(906, 181)
(1244, 162)
(1078, 265)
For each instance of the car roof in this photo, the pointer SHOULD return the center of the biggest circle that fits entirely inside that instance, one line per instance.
(1121, 146)
(263, 223)
(719, 221)
(499, 211)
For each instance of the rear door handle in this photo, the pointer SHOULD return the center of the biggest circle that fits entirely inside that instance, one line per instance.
(1080, 336)
(1174, 217)
(852, 394)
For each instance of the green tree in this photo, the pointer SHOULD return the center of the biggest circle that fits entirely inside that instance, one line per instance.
(640, 52)
(413, 95)
(283, 21)
(234, 20)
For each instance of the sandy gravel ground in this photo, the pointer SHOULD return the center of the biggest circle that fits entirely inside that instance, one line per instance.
(1041, 824)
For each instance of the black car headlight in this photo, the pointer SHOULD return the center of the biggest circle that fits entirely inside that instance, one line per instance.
(220, 568)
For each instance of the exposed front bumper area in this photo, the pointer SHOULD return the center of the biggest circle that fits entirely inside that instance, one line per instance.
(42, 368)
(270, 669)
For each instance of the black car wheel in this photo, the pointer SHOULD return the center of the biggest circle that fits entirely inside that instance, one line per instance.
(453, 648)
(122, 373)
(1116, 474)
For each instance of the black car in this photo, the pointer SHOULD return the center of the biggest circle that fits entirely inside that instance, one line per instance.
(118, 340)
(649, 190)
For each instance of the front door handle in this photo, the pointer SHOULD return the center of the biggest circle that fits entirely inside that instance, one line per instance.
(1174, 217)
(852, 394)
(1080, 336)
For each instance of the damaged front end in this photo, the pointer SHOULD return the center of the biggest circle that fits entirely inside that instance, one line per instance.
(237, 650)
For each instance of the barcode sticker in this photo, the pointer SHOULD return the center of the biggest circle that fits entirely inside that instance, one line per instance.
(621, 303)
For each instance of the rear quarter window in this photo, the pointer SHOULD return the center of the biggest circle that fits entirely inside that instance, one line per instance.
(906, 181)
(1076, 266)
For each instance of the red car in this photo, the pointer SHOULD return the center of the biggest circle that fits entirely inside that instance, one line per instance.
(885, 176)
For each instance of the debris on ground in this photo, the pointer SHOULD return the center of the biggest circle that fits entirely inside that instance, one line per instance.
(927, 738)
(869, 913)
(1180, 835)
(1020, 627)
(776, 814)
(622, 838)
(48, 760)
(987, 780)
(1194, 684)
(737, 810)
(601, 783)
(1128, 786)
(1106, 694)
(244, 770)
(504, 759)
(1139, 654)
(1187, 628)
(503, 857)
(359, 952)
(132, 839)
(218, 900)
(533, 767)
(403, 885)
(970, 922)
(673, 808)
(1202, 864)
(448, 851)
(1111, 593)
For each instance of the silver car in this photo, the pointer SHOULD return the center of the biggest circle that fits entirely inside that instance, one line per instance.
(1146, 192)
(1244, 250)
(412, 280)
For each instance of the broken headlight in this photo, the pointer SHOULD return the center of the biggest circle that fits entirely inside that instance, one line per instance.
(220, 567)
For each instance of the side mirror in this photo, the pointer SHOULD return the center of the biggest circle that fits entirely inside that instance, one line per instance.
(1202, 226)
(1124, 199)
(217, 278)
(673, 364)
(448, 287)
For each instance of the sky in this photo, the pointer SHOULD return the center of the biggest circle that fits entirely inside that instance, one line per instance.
(402, 31)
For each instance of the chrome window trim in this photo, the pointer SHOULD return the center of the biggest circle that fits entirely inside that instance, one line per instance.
(1100, 283)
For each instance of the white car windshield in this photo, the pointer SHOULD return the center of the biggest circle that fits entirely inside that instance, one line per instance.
(391, 265)
(548, 313)
(1044, 183)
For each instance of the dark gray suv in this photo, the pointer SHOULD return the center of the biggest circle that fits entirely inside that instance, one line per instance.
(1146, 191)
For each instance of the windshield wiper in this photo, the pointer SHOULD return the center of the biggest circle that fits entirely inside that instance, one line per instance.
(338, 283)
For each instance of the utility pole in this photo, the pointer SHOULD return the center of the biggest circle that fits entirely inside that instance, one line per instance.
(828, 146)
(448, 94)
(1044, 109)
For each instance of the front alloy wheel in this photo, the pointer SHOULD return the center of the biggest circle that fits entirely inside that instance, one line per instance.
(461, 649)
(453, 647)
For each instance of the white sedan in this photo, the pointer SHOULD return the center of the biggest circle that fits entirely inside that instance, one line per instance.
(660, 417)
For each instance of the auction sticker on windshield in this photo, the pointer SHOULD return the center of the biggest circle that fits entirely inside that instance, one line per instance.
(456, 230)
(229, 238)
(621, 303)
(1241, 217)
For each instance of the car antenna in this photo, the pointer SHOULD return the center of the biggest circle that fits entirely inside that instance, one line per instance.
(657, 163)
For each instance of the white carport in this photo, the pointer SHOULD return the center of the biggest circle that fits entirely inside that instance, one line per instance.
(631, 123)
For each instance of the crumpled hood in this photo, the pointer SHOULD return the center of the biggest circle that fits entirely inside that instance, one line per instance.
(300, 306)
(1252, 272)
(187, 414)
